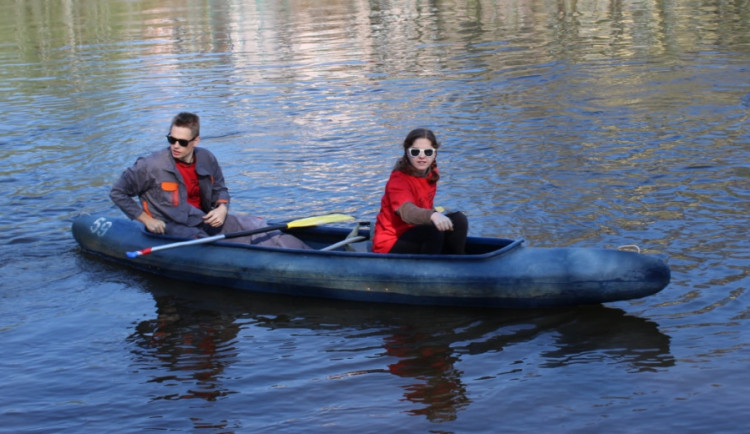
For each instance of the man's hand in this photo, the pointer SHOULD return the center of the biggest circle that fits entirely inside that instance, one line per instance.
(215, 218)
(152, 225)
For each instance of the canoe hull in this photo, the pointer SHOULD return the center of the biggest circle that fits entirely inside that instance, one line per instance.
(513, 276)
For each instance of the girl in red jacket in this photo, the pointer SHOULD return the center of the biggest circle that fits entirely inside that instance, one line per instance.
(408, 221)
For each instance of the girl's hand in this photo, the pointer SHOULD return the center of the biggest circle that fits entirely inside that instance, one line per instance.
(441, 222)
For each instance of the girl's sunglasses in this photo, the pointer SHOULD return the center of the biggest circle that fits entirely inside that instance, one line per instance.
(414, 152)
(182, 142)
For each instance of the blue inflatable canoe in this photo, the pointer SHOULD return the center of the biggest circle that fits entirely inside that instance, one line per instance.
(495, 272)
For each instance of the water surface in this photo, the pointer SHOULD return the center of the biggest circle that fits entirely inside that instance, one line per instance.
(598, 123)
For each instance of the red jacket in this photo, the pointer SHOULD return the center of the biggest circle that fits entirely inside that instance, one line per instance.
(401, 188)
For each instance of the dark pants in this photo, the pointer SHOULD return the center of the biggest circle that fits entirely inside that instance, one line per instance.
(429, 240)
(237, 223)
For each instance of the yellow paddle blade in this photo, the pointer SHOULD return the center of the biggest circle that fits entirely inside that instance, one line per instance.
(319, 220)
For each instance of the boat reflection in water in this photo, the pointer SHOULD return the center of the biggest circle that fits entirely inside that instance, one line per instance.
(198, 333)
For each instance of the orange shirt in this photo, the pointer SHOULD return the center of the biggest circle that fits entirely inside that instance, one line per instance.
(401, 188)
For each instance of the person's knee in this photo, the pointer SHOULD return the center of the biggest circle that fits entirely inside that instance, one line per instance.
(460, 222)
(179, 230)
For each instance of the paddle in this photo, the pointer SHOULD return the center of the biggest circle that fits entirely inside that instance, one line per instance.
(309, 221)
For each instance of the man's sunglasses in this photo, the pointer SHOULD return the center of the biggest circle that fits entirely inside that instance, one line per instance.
(182, 142)
(414, 152)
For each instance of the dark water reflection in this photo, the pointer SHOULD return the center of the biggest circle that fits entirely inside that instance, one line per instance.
(193, 344)
(194, 341)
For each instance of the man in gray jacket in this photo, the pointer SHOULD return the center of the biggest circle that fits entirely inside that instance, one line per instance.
(181, 191)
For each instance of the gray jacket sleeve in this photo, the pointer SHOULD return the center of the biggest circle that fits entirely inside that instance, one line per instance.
(129, 185)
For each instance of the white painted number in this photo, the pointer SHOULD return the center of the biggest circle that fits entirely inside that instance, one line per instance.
(100, 226)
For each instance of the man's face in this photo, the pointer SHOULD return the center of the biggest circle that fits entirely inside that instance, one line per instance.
(179, 152)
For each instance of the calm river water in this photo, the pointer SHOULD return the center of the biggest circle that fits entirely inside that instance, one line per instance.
(594, 123)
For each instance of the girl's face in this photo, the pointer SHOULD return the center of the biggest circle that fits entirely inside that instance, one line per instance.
(418, 154)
